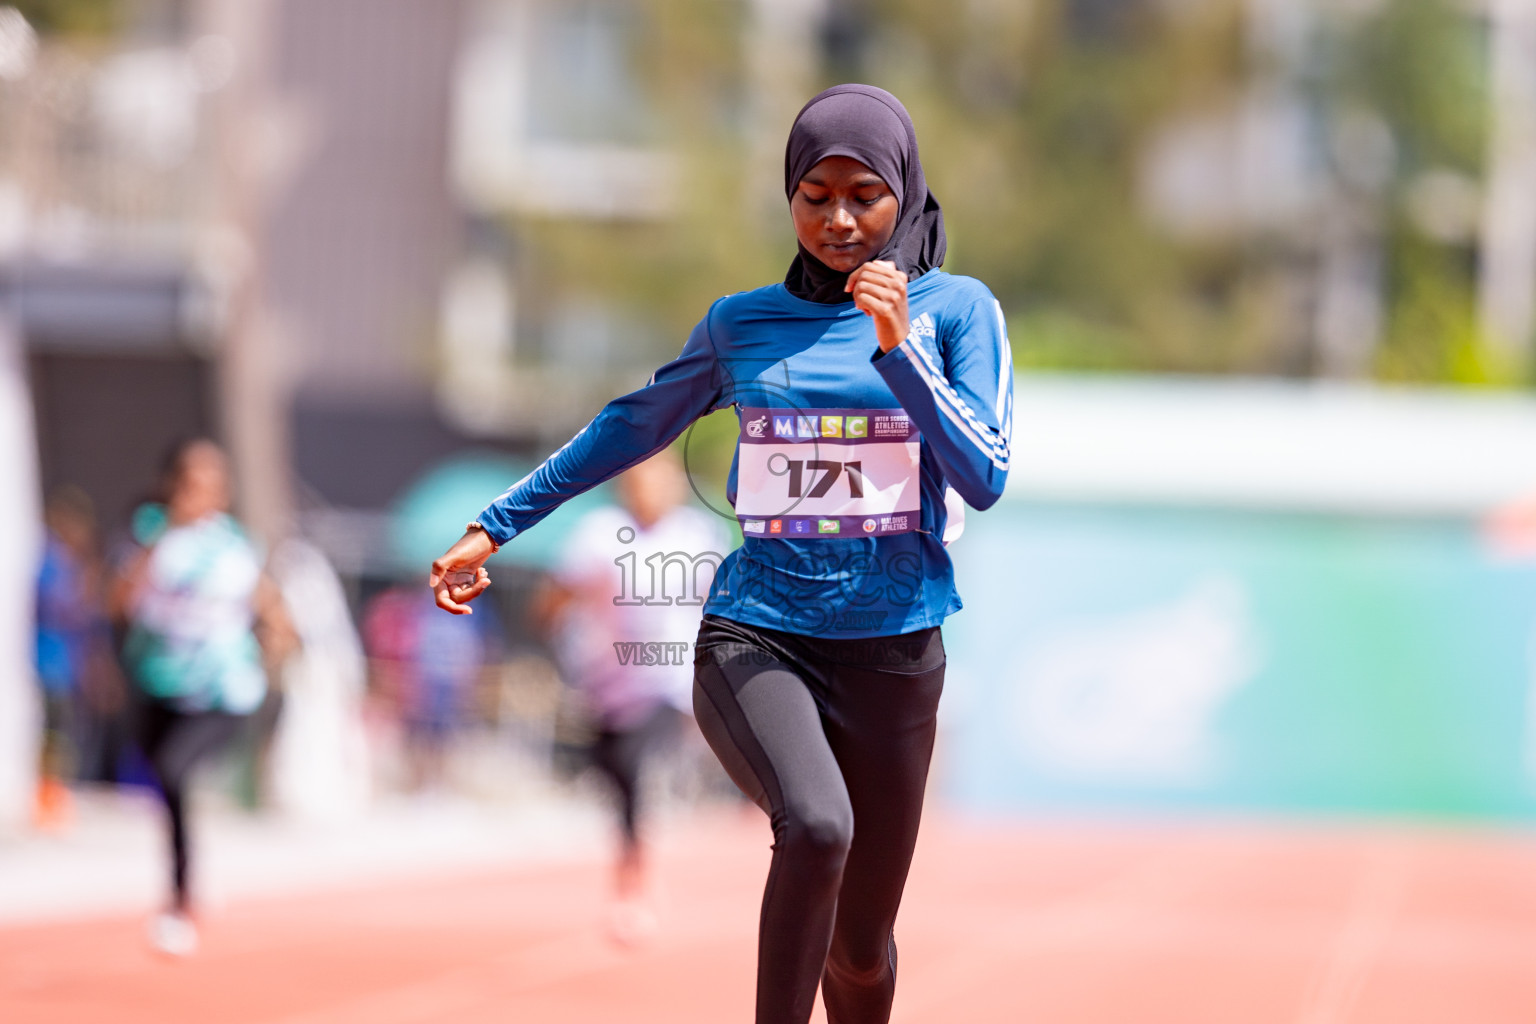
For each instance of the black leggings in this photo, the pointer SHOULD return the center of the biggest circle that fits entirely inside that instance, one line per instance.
(832, 738)
(174, 741)
(621, 755)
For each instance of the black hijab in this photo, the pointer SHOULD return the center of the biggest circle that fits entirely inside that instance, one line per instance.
(871, 126)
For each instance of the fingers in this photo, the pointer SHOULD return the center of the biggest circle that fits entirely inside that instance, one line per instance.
(883, 303)
(876, 270)
(447, 566)
(469, 552)
(875, 267)
(453, 589)
(447, 603)
(873, 297)
(458, 577)
(880, 291)
(470, 588)
(878, 281)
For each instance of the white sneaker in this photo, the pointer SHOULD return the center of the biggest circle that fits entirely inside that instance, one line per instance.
(173, 934)
(632, 923)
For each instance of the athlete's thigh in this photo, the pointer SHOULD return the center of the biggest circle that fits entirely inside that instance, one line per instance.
(883, 741)
(191, 738)
(882, 705)
(759, 717)
(622, 753)
(151, 722)
(881, 725)
(608, 755)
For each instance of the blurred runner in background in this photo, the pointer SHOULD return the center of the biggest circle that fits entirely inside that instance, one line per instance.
(622, 621)
(75, 668)
(192, 596)
(424, 668)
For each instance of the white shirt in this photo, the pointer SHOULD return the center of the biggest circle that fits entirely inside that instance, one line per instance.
(626, 640)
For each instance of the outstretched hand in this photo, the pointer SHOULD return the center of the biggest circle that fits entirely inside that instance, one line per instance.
(879, 288)
(459, 576)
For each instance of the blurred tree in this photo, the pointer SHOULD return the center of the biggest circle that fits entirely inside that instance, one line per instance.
(1422, 65)
(71, 17)
(688, 55)
(1038, 122)
(1034, 121)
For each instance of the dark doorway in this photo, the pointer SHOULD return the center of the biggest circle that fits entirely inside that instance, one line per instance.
(105, 421)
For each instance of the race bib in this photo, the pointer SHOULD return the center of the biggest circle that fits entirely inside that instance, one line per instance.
(807, 473)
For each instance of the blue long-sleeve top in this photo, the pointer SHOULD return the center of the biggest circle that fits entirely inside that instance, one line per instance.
(850, 465)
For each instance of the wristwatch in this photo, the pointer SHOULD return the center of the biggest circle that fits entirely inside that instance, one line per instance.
(475, 524)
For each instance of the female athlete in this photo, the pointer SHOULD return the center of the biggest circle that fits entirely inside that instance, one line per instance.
(197, 608)
(874, 393)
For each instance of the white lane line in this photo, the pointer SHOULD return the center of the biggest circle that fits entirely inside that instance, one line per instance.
(1367, 923)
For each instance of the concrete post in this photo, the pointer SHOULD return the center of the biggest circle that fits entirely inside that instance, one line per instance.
(20, 541)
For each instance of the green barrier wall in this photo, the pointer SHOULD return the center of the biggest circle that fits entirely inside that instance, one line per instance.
(1126, 658)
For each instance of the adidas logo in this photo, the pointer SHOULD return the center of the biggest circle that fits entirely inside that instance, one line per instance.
(923, 327)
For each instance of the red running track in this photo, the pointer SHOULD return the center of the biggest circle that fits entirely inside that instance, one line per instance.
(1045, 924)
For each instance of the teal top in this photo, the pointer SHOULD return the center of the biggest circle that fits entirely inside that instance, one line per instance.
(190, 638)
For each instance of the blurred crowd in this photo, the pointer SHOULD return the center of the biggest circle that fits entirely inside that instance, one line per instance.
(357, 691)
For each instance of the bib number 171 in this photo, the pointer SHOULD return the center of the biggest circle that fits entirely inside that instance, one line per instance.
(795, 469)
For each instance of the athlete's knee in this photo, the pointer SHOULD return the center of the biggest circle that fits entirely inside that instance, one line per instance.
(820, 835)
(862, 968)
(858, 976)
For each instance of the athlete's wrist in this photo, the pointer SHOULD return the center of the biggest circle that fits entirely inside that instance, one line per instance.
(474, 526)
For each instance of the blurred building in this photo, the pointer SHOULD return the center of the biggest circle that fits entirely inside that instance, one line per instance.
(235, 221)
(105, 216)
